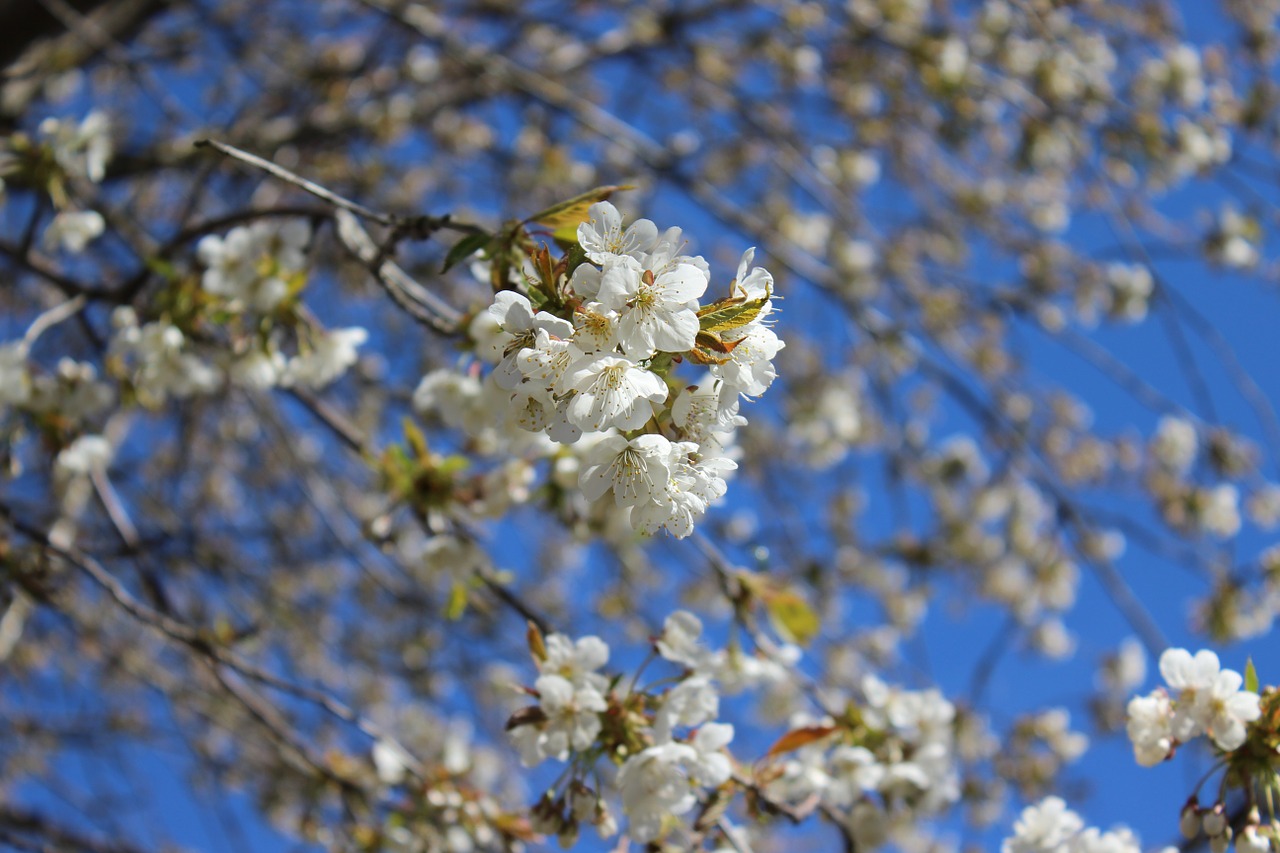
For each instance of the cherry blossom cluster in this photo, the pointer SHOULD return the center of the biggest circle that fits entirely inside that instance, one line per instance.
(890, 763)
(250, 275)
(592, 368)
(65, 402)
(1214, 822)
(1205, 699)
(1050, 827)
(667, 746)
(79, 152)
(1209, 508)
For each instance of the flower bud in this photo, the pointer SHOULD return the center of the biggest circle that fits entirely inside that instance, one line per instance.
(1220, 843)
(606, 823)
(1215, 821)
(1251, 841)
(1189, 821)
(568, 835)
(582, 803)
(547, 817)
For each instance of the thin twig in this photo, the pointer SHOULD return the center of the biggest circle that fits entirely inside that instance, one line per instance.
(297, 180)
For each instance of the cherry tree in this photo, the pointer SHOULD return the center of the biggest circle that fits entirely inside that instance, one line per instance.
(726, 426)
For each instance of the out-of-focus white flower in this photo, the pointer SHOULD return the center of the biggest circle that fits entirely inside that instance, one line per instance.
(86, 454)
(72, 230)
(1046, 827)
(332, 352)
(573, 715)
(158, 356)
(1150, 728)
(1219, 510)
(576, 660)
(1175, 443)
(257, 369)
(82, 149)
(692, 702)
(390, 761)
(653, 785)
(710, 766)
(251, 263)
(15, 378)
(1224, 709)
(1130, 287)
(679, 641)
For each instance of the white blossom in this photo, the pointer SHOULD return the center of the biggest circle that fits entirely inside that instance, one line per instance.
(520, 324)
(573, 716)
(750, 369)
(15, 378)
(576, 660)
(1150, 728)
(161, 363)
(692, 702)
(332, 351)
(86, 454)
(83, 148)
(1046, 827)
(1175, 443)
(602, 235)
(635, 470)
(1224, 709)
(679, 641)
(257, 369)
(72, 230)
(251, 264)
(612, 391)
(657, 310)
(710, 766)
(654, 785)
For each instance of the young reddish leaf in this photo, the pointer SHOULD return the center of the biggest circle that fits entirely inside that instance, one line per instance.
(537, 647)
(797, 738)
(526, 717)
(699, 355)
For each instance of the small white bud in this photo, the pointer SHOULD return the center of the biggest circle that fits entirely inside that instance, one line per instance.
(1215, 821)
(1189, 821)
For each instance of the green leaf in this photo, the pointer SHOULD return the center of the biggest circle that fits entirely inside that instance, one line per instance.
(457, 604)
(465, 248)
(538, 299)
(573, 212)
(733, 312)
(1250, 677)
(163, 268)
(791, 616)
(414, 436)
